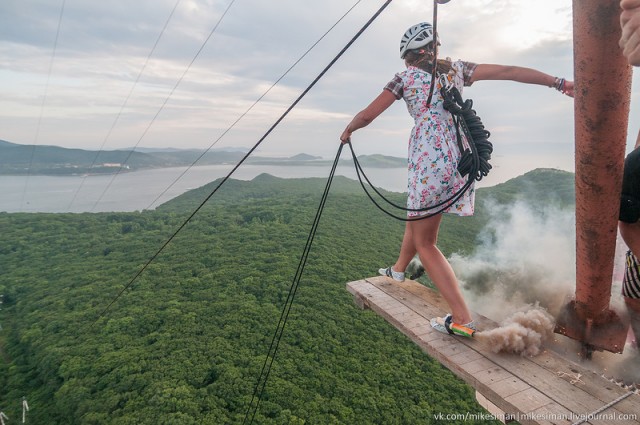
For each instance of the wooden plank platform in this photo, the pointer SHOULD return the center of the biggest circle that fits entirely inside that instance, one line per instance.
(537, 390)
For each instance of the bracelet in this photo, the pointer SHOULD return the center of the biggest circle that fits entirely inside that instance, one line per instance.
(558, 84)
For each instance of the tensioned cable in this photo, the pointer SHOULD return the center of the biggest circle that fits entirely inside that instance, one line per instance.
(594, 415)
(286, 309)
(44, 101)
(126, 101)
(153, 120)
(434, 69)
(253, 105)
(244, 158)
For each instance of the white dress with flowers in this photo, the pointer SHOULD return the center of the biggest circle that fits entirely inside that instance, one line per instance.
(433, 148)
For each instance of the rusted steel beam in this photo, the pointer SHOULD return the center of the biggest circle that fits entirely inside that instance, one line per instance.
(602, 98)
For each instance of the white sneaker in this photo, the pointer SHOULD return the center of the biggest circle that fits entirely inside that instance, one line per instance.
(443, 324)
(397, 276)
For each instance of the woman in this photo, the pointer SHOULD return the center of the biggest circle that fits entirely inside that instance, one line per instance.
(434, 153)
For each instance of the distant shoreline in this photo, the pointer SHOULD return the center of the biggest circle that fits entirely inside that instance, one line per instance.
(25, 160)
(137, 190)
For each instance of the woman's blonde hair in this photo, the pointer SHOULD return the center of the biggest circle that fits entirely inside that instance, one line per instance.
(423, 58)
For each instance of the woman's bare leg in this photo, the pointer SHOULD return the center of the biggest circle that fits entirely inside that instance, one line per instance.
(407, 251)
(425, 236)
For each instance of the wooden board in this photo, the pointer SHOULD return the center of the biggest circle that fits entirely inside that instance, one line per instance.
(536, 390)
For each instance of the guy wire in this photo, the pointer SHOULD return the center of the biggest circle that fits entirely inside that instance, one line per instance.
(244, 158)
(126, 100)
(252, 105)
(42, 105)
(153, 120)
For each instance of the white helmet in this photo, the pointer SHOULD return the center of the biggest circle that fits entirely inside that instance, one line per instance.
(415, 37)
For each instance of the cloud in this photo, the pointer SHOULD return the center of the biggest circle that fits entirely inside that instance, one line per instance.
(102, 47)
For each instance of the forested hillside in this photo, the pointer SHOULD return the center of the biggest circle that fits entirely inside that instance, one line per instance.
(186, 343)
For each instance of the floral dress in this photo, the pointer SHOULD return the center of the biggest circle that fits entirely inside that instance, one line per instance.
(433, 147)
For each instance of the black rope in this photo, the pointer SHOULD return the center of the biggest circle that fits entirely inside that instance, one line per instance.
(467, 155)
(473, 163)
(244, 158)
(277, 336)
(434, 70)
(444, 204)
(286, 309)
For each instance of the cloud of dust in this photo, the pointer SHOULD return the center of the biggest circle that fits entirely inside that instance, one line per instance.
(523, 333)
(526, 257)
(523, 272)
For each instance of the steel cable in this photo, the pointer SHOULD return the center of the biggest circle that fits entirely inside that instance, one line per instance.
(244, 158)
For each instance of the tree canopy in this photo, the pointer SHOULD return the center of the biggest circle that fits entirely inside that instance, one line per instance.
(185, 343)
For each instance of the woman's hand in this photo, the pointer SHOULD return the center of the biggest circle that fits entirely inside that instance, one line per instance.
(630, 23)
(568, 88)
(345, 137)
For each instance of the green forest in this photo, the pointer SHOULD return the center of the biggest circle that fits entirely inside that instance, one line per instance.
(185, 343)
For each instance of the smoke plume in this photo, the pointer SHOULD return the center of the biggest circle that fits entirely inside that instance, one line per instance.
(524, 267)
(526, 257)
(522, 333)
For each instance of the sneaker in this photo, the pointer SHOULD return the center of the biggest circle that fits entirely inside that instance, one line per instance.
(397, 276)
(446, 326)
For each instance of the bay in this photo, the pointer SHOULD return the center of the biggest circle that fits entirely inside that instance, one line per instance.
(140, 190)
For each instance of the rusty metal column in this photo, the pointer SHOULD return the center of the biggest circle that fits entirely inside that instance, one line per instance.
(602, 97)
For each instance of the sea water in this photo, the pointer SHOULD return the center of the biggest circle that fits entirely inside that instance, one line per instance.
(140, 190)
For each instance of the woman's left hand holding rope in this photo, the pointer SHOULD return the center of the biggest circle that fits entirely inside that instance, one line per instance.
(345, 137)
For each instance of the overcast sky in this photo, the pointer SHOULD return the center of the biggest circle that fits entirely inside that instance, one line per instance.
(73, 97)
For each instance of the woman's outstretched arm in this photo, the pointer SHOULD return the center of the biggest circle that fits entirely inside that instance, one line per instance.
(519, 74)
(368, 114)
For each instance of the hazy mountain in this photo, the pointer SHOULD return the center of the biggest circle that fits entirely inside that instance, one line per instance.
(16, 159)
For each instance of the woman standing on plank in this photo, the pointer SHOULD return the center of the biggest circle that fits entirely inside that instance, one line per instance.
(434, 153)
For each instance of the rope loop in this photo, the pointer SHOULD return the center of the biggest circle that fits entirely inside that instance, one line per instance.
(428, 211)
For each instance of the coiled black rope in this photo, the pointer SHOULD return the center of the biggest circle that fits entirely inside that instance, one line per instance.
(474, 160)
